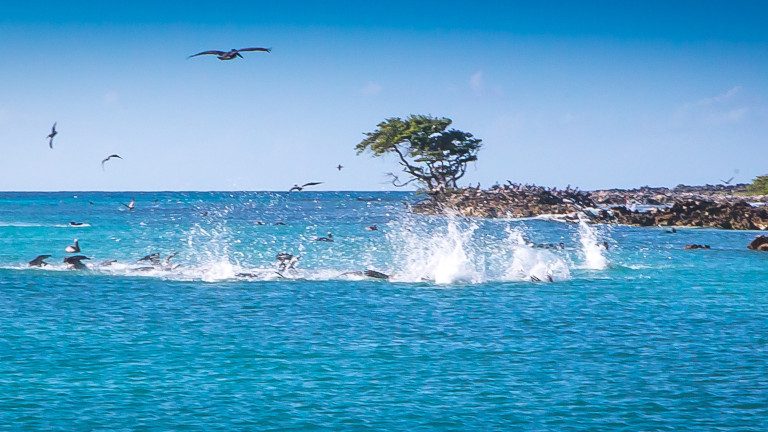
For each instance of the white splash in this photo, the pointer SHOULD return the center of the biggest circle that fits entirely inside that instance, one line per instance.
(592, 247)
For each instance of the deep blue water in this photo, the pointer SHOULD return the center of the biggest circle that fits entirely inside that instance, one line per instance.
(461, 338)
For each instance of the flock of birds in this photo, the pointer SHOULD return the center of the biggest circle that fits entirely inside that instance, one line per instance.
(285, 261)
(221, 55)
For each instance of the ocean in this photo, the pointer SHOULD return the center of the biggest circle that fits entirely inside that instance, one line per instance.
(482, 325)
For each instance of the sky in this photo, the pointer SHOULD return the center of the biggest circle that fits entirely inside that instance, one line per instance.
(594, 94)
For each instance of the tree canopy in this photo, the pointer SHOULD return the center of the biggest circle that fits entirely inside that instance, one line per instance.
(430, 154)
(759, 186)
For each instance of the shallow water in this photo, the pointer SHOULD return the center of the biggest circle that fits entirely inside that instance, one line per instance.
(642, 336)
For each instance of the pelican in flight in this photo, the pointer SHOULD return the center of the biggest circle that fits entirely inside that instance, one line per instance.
(231, 54)
(301, 188)
(108, 158)
(51, 135)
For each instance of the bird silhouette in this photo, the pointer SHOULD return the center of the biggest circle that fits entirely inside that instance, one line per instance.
(108, 158)
(51, 135)
(130, 205)
(39, 261)
(73, 248)
(231, 54)
(339, 167)
(75, 262)
(301, 188)
(727, 182)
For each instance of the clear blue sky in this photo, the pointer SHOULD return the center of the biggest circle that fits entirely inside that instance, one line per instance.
(594, 93)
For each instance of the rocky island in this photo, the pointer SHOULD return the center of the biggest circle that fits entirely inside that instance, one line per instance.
(716, 206)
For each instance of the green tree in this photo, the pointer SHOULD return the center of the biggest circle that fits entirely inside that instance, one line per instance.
(430, 154)
(759, 186)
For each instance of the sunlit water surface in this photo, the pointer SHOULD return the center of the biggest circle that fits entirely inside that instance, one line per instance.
(477, 328)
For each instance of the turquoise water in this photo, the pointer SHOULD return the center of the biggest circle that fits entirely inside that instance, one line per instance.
(641, 336)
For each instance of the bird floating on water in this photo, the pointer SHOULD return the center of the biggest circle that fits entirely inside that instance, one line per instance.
(130, 205)
(301, 188)
(74, 262)
(231, 54)
(51, 135)
(328, 238)
(73, 248)
(108, 158)
(39, 261)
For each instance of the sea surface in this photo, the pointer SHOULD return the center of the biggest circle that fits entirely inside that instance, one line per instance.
(483, 324)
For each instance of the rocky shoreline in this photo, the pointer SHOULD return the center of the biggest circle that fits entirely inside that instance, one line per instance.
(716, 206)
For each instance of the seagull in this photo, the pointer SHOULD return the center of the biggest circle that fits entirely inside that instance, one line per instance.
(51, 135)
(339, 167)
(727, 181)
(39, 261)
(231, 54)
(108, 158)
(300, 188)
(73, 248)
(75, 262)
(131, 204)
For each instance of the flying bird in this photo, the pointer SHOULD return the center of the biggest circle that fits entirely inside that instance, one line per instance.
(51, 135)
(231, 54)
(39, 261)
(73, 248)
(339, 167)
(300, 188)
(108, 158)
(727, 181)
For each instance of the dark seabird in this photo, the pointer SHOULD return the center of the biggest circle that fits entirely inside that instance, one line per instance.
(727, 182)
(153, 258)
(76, 224)
(39, 261)
(301, 188)
(279, 223)
(51, 135)
(131, 204)
(103, 161)
(372, 228)
(231, 54)
(73, 248)
(368, 273)
(328, 238)
(339, 167)
(286, 261)
(75, 262)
